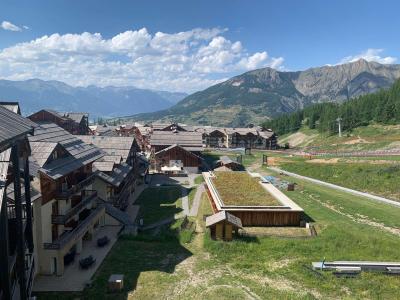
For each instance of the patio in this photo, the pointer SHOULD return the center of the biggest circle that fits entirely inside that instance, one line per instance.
(74, 278)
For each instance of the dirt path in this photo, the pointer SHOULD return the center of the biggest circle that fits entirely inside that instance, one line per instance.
(196, 201)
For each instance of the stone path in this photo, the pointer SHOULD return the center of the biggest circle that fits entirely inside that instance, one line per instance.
(337, 187)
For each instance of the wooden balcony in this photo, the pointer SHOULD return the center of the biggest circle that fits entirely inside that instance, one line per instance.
(77, 233)
(62, 219)
(75, 188)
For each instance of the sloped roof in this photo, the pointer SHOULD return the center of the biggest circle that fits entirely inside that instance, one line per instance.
(175, 146)
(182, 138)
(12, 125)
(104, 166)
(76, 116)
(41, 151)
(112, 145)
(266, 134)
(226, 160)
(117, 176)
(223, 216)
(80, 153)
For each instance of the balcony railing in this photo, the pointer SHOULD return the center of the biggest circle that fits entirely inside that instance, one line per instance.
(62, 219)
(77, 187)
(77, 232)
(11, 211)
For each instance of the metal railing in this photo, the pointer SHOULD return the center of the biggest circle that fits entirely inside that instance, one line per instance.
(77, 232)
(62, 219)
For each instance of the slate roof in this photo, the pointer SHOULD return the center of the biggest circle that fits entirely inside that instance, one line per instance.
(41, 151)
(104, 166)
(76, 116)
(119, 146)
(182, 138)
(80, 153)
(223, 216)
(117, 176)
(12, 125)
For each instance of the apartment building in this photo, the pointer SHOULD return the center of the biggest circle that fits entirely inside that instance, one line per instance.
(69, 210)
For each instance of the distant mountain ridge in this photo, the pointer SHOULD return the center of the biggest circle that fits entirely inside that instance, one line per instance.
(264, 93)
(35, 94)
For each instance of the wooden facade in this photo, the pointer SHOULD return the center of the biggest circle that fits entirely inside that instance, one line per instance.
(268, 218)
(176, 153)
(70, 125)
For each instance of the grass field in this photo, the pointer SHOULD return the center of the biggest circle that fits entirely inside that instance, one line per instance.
(380, 179)
(158, 203)
(239, 188)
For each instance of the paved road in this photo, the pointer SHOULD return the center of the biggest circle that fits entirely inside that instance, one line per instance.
(337, 187)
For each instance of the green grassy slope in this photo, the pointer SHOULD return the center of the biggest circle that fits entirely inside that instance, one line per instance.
(371, 137)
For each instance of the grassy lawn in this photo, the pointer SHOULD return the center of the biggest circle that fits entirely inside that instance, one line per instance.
(380, 179)
(199, 179)
(239, 188)
(158, 203)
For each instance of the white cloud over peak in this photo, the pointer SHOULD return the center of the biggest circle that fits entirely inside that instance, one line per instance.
(183, 61)
(370, 55)
(10, 26)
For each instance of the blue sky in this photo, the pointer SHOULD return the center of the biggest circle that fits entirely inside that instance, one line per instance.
(220, 39)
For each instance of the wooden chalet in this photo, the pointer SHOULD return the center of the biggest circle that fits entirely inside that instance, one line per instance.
(176, 159)
(17, 260)
(73, 122)
(222, 224)
(69, 210)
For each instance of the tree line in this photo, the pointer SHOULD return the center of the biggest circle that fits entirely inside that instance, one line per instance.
(382, 107)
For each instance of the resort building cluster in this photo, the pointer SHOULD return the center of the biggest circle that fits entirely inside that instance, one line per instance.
(64, 182)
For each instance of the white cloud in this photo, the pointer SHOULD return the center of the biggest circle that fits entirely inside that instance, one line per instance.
(370, 55)
(10, 26)
(183, 61)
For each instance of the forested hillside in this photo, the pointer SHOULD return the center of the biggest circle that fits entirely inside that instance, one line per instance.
(382, 107)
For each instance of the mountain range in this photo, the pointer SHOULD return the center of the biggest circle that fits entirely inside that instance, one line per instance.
(266, 93)
(35, 94)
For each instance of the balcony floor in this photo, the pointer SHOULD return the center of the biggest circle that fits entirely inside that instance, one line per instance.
(73, 275)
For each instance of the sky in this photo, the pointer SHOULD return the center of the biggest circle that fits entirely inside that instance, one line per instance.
(187, 46)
